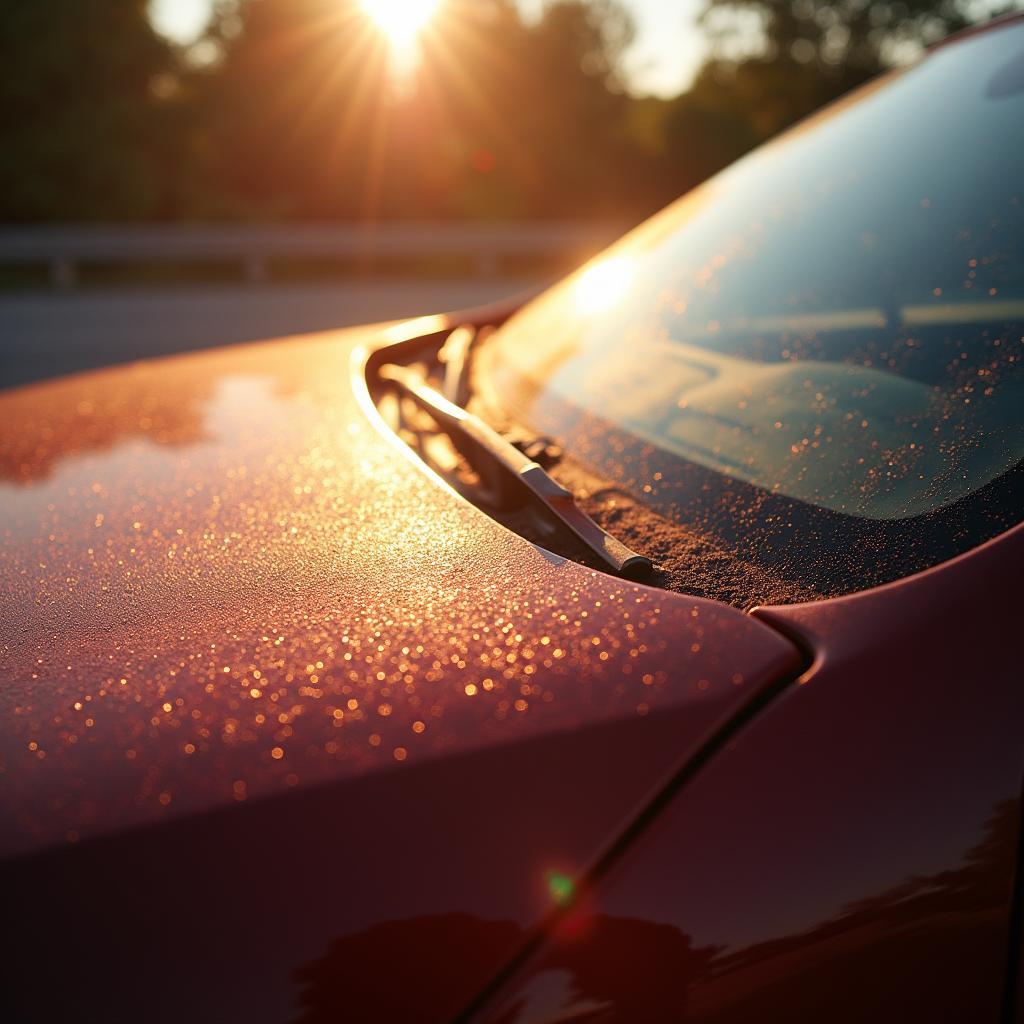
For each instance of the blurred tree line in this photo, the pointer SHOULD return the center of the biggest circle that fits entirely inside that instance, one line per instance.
(292, 108)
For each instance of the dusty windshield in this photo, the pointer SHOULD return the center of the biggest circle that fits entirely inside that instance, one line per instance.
(838, 320)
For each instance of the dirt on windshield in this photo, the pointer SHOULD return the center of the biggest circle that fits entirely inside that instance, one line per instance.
(686, 560)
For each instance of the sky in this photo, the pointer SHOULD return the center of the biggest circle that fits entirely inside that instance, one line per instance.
(669, 46)
(661, 62)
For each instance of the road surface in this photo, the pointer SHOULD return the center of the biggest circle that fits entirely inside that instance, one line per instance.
(47, 334)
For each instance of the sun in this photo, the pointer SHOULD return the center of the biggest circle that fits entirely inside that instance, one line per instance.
(401, 21)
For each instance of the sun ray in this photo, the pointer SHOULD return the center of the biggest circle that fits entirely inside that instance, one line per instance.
(447, 52)
(401, 22)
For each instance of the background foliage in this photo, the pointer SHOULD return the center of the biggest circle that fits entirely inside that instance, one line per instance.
(288, 109)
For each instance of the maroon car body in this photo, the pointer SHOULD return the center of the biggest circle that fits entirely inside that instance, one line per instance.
(290, 730)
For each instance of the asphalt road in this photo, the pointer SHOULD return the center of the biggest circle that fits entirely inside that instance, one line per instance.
(47, 334)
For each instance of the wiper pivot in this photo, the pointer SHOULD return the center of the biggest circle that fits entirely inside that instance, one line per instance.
(494, 457)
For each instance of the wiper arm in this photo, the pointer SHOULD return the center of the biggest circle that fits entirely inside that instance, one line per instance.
(487, 450)
(454, 355)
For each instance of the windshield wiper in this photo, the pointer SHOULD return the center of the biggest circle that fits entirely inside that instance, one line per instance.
(454, 355)
(501, 463)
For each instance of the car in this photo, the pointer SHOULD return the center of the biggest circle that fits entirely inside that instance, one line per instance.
(646, 651)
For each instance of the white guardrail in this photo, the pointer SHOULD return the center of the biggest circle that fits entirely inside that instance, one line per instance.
(64, 249)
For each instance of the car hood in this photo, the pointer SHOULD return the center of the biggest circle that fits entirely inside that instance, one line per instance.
(262, 670)
(224, 578)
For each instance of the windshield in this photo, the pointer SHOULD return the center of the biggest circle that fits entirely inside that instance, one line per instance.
(836, 323)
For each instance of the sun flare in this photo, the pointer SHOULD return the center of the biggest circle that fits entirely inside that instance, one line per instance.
(602, 284)
(400, 21)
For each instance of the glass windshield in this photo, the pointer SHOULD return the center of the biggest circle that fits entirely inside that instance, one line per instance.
(838, 320)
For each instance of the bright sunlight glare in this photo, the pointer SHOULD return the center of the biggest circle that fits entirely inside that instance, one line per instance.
(602, 284)
(400, 20)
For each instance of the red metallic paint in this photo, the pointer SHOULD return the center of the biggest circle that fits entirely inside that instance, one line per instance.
(231, 596)
(288, 730)
(850, 854)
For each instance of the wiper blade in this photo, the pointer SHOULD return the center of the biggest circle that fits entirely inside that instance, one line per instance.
(487, 451)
